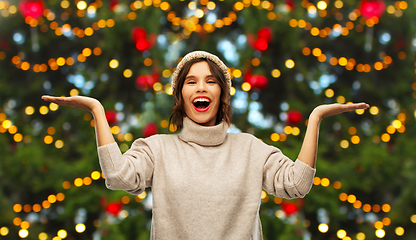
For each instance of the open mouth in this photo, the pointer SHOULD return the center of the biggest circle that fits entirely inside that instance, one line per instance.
(201, 103)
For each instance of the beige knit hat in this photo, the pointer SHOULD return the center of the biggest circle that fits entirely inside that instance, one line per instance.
(201, 54)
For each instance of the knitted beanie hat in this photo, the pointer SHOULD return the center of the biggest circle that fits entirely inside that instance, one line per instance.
(201, 54)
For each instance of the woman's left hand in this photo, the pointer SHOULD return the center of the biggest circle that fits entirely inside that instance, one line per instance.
(328, 110)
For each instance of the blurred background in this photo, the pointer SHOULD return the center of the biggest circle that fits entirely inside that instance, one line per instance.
(285, 57)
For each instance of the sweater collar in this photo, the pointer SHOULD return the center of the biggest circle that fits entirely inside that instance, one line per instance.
(201, 135)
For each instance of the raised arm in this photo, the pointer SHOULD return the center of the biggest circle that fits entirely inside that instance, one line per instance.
(102, 129)
(309, 148)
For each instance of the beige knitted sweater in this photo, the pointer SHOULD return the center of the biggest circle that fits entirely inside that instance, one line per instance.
(206, 183)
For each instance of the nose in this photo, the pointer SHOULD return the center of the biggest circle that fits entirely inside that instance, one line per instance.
(201, 86)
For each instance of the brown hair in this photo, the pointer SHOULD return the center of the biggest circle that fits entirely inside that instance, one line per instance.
(224, 110)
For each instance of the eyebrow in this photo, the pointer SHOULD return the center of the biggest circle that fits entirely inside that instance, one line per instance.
(192, 76)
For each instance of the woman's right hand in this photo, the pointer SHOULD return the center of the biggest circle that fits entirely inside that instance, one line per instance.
(81, 102)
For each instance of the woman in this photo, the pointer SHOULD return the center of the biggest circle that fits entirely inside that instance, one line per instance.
(206, 183)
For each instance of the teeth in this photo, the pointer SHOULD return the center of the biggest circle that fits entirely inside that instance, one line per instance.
(201, 100)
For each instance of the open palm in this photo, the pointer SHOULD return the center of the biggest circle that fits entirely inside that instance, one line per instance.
(81, 102)
(327, 110)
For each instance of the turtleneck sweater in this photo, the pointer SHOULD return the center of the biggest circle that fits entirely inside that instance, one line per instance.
(206, 183)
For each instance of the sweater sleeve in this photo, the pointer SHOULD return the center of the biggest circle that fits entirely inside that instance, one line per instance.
(131, 171)
(284, 178)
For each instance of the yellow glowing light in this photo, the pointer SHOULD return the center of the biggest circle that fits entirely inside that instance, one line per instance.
(12, 129)
(7, 124)
(359, 111)
(275, 137)
(246, 86)
(60, 61)
(341, 99)
(312, 9)
(290, 63)
(86, 52)
(338, 4)
(360, 236)
(62, 234)
(344, 144)
(81, 5)
(127, 73)
(46, 204)
(378, 225)
(60, 197)
(169, 90)
(325, 182)
(23, 233)
(65, 4)
(385, 137)
(91, 9)
(157, 87)
(129, 137)
(74, 92)
(78, 182)
(351, 198)
(113, 63)
(43, 110)
(374, 110)
(59, 144)
(316, 52)
(199, 13)
(329, 93)
(232, 91)
(166, 73)
(53, 106)
(48, 139)
(341, 233)
(321, 5)
(237, 73)
(95, 175)
(142, 195)
(276, 73)
(18, 137)
(342, 61)
(211, 5)
(295, 131)
(115, 130)
(316, 181)
(386, 221)
(192, 5)
(396, 124)
(238, 6)
(323, 227)
(164, 6)
(357, 204)
(380, 233)
(355, 139)
(263, 194)
(43, 236)
(29, 110)
(390, 129)
(413, 218)
(288, 130)
(399, 231)
(80, 228)
(24, 225)
(279, 213)
(367, 208)
(52, 198)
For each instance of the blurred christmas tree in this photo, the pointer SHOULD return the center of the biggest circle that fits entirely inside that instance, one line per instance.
(286, 57)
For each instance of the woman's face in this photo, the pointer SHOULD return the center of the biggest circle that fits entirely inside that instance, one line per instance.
(201, 94)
